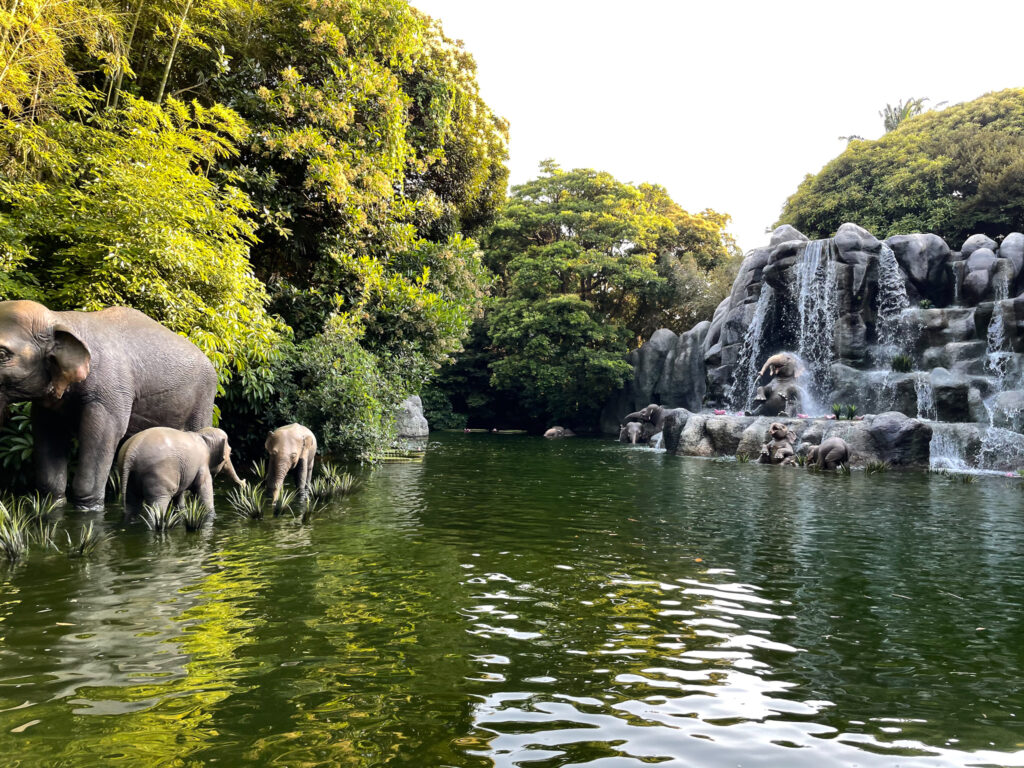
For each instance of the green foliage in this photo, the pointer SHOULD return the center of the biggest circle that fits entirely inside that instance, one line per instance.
(850, 411)
(902, 363)
(160, 520)
(585, 267)
(892, 116)
(89, 540)
(925, 304)
(194, 514)
(743, 458)
(14, 534)
(838, 409)
(16, 449)
(876, 467)
(954, 172)
(247, 501)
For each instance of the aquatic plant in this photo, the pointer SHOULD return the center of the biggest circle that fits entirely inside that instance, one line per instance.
(247, 501)
(843, 469)
(968, 478)
(14, 534)
(194, 514)
(837, 409)
(258, 470)
(800, 459)
(114, 484)
(742, 458)
(39, 506)
(902, 363)
(157, 519)
(285, 499)
(874, 467)
(88, 540)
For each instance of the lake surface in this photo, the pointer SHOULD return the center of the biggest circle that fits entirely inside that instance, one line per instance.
(512, 601)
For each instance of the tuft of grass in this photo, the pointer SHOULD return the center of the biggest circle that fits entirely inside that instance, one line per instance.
(925, 304)
(114, 483)
(851, 411)
(874, 467)
(39, 507)
(902, 363)
(88, 540)
(742, 458)
(800, 459)
(194, 514)
(285, 500)
(837, 409)
(319, 488)
(160, 520)
(843, 469)
(247, 501)
(14, 534)
(968, 479)
(258, 470)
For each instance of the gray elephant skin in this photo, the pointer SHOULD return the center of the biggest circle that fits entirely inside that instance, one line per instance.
(159, 465)
(832, 453)
(556, 433)
(291, 447)
(98, 377)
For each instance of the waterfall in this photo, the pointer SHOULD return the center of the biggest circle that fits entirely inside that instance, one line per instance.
(925, 396)
(998, 352)
(740, 393)
(958, 268)
(818, 304)
(892, 300)
(947, 451)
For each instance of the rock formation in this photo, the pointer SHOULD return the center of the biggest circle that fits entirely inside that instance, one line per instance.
(905, 325)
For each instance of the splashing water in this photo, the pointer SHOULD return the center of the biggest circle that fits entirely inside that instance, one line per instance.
(925, 396)
(998, 352)
(740, 394)
(818, 303)
(892, 300)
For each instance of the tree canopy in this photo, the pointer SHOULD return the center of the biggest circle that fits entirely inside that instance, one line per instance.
(585, 268)
(285, 182)
(954, 172)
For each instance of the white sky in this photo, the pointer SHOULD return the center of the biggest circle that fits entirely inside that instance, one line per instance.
(726, 104)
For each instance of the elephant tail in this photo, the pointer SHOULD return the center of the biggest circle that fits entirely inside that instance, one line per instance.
(124, 467)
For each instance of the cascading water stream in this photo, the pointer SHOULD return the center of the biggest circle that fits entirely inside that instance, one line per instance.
(817, 295)
(740, 394)
(892, 301)
(925, 396)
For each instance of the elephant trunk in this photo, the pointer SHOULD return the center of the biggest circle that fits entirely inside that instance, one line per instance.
(230, 469)
(276, 474)
(633, 437)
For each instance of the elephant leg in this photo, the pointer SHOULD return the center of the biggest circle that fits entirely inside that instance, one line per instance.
(203, 487)
(98, 436)
(300, 478)
(52, 446)
(133, 502)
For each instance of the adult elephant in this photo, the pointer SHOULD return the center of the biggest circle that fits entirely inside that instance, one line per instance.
(97, 376)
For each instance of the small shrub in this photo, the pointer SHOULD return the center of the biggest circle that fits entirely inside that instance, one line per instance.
(902, 363)
(851, 411)
(88, 540)
(194, 514)
(874, 467)
(247, 501)
(837, 409)
(14, 534)
(925, 304)
(157, 519)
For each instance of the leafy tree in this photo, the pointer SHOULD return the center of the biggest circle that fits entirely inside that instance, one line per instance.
(954, 172)
(585, 266)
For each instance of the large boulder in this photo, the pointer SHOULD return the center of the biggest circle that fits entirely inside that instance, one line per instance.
(923, 258)
(900, 440)
(409, 420)
(1012, 249)
(683, 382)
(974, 243)
(650, 364)
(1008, 410)
(950, 394)
(785, 233)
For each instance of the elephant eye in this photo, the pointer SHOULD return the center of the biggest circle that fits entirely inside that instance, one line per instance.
(5, 354)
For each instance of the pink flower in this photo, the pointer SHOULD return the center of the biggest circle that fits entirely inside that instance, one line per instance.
(830, 416)
(802, 416)
(718, 412)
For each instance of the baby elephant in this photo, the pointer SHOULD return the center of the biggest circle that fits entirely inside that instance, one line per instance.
(158, 465)
(830, 454)
(290, 447)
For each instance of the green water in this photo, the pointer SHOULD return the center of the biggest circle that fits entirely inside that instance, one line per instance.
(519, 602)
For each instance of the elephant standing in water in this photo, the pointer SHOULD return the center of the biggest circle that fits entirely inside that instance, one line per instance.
(290, 447)
(97, 377)
(160, 464)
(832, 453)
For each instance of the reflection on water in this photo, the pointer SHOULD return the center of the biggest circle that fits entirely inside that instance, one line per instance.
(519, 602)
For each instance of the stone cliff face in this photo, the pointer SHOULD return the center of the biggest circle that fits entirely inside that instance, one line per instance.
(847, 306)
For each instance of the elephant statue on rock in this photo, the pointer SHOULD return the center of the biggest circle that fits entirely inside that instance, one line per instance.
(778, 446)
(290, 447)
(832, 453)
(781, 395)
(555, 433)
(158, 465)
(98, 377)
(653, 414)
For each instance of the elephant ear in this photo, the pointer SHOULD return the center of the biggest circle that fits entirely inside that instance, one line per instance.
(68, 361)
(217, 440)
